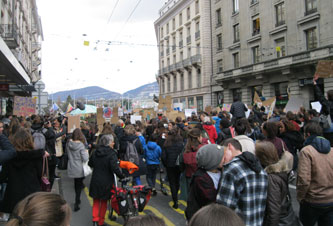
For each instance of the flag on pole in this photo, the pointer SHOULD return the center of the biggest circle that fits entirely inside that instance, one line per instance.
(54, 108)
(69, 108)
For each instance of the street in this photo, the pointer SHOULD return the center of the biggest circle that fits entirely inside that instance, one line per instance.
(159, 205)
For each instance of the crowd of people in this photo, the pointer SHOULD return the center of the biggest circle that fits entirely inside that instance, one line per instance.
(230, 169)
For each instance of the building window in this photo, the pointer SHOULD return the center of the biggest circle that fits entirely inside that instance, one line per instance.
(219, 66)
(236, 33)
(189, 54)
(198, 77)
(175, 83)
(163, 85)
(189, 79)
(181, 56)
(256, 54)
(237, 94)
(174, 58)
(235, 4)
(181, 82)
(310, 6)
(190, 101)
(280, 47)
(173, 43)
(188, 39)
(256, 26)
(173, 24)
(196, 7)
(218, 18)
(311, 38)
(167, 48)
(235, 56)
(197, 30)
(254, 1)
(188, 13)
(219, 42)
(167, 28)
(200, 103)
(180, 19)
(162, 32)
(279, 11)
(198, 48)
(169, 84)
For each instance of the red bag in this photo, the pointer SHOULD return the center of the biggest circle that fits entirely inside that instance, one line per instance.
(45, 184)
(118, 201)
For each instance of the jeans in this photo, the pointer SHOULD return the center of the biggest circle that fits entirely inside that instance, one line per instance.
(174, 177)
(78, 186)
(311, 214)
(151, 174)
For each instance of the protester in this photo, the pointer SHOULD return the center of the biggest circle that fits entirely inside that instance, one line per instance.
(217, 120)
(225, 130)
(238, 109)
(22, 173)
(210, 129)
(242, 127)
(270, 131)
(205, 181)
(7, 151)
(216, 215)
(243, 177)
(152, 154)
(41, 209)
(104, 162)
(314, 184)
(279, 210)
(77, 156)
(173, 147)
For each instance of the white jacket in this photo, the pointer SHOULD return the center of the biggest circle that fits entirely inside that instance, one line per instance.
(247, 143)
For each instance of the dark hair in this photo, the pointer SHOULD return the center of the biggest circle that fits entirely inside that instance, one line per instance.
(225, 123)
(78, 136)
(173, 137)
(154, 137)
(146, 220)
(178, 119)
(271, 129)
(266, 153)
(313, 128)
(22, 140)
(291, 116)
(216, 215)
(192, 140)
(237, 145)
(242, 126)
(55, 211)
(330, 95)
(288, 125)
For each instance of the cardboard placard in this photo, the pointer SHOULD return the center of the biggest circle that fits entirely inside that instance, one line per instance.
(24, 106)
(294, 104)
(114, 120)
(208, 109)
(165, 103)
(271, 108)
(172, 115)
(226, 107)
(100, 118)
(256, 98)
(135, 118)
(73, 123)
(325, 69)
(115, 112)
(268, 103)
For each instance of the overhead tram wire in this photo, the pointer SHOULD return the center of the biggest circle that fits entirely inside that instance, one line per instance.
(114, 8)
(129, 17)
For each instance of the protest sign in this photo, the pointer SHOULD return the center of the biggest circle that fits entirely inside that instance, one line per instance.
(164, 103)
(188, 112)
(107, 112)
(73, 123)
(271, 108)
(294, 104)
(256, 98)
(24, 106)
(208, 109)
(268, 103)
(100, 118)
(226, 107)
(135, 118)
(120, 112)
(316, 105)
(178, 107)
(172, 115)
(325, 69)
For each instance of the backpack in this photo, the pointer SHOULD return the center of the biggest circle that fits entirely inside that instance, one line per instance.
(39, 140)
(131, 153)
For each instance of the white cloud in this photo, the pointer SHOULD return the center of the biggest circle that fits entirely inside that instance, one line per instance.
(68, 64)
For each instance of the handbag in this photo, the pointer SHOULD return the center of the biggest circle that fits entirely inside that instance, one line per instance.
(287, 157)
(63, 162)
(325, 121)
(86, 169)
(45, 183)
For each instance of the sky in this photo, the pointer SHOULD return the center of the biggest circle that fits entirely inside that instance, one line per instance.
(121, 55)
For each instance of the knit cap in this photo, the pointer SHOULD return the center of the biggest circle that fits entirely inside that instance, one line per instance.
(210, 156)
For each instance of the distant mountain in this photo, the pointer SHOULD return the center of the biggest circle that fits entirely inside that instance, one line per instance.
(96, 92)
(144, 91)
(90, 93)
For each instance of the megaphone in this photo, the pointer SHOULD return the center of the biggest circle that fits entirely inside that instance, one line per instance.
(80, 105)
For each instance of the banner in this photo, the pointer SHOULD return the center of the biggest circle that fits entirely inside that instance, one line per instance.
(24, 106)
(164, 103)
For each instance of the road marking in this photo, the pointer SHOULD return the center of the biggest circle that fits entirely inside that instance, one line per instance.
(159, 214)
(107, 220)
(178, 210)
(167, 186)
(292, 186)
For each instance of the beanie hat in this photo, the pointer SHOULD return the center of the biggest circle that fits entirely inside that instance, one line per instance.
(210, 156)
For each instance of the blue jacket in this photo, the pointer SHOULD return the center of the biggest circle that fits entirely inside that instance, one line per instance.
(217, 124)
(143, 142)
(153, 153)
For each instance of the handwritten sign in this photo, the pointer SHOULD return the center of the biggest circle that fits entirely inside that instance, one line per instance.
(325, 69)
(73, 123)
(226, 107)
(24, 106)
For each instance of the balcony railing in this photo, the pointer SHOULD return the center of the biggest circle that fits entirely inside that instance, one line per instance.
(256, 32)
(279, 23)
(310, 11)
(196, 59)
(10, 35)
(181, 44)
(188, 39)
(197, 35)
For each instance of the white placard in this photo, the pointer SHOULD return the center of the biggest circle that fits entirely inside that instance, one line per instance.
(135, 118)
(316, 105)
(178, 107)
(120, 112)
(247, 114)
(188, 112)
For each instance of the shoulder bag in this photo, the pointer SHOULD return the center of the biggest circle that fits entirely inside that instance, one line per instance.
(45, 183)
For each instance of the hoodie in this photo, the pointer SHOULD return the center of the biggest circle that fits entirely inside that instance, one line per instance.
(321, 144)
(153, 153)
(217, 124)
(210, 129)
(77, 155)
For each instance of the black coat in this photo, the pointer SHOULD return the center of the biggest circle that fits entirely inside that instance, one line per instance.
(238, 110)
(23, 176)
(7, 150)
(170, 154)
(104, 162)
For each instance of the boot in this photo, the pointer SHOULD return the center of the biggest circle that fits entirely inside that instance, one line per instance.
(175, 205)
(76, 207)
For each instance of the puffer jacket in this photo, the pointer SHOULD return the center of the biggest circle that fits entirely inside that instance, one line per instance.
(170, 154)
(153, 153)
(217, 123)
(315, 171)
(77, 155)
(277, 204)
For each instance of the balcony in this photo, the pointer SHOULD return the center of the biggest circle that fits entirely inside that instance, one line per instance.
(188, 40)
(196, 59)
(197, 35)
(256, 32)
(181, 44)
(187, 62)
(179, 65)
(36, 62)
(10, 35)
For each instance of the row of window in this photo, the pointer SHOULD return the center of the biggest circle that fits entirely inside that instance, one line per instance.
(190, 102)
(182, 81)
(180, 19)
